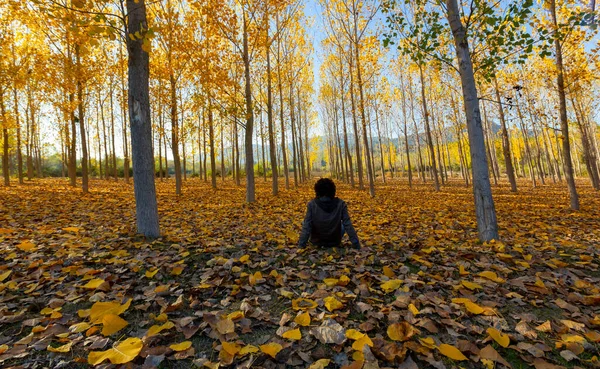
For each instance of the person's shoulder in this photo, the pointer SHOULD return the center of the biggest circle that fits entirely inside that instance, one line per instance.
(340, 201)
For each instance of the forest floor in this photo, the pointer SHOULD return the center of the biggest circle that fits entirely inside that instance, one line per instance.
(225, 285)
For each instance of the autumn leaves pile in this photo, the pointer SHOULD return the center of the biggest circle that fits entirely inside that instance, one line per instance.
(226, 286)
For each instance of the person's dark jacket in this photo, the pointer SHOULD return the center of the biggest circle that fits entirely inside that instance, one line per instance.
(323, 223)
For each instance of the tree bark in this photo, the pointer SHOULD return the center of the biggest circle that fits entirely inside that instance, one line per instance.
(510, 171)
(564, 123)
(362, 110)
(250, 186)
(141, 126)
(487, 225)
(428, 131)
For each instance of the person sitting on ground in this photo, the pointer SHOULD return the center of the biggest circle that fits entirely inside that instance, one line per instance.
(327, 219)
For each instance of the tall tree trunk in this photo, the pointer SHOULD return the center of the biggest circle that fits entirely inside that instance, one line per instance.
(510, 171)
(160, 136)
(280, 88)
(488, 143)
(124, 122)
(200, 152)
(359, 167)
(370, 172)
(80, 112)
(5, 169)
(72, 168)
(588, 154)
(250, 187)
(105, 136)
(380, 144)
(237, 154)
(346, 144)
(222, 151)
(428, 130)
(487, 225)
(29, 138)
(141, 126)
(175, 134)
(526, 142)
(211, 140)
(564, 123)
(18, 124)
(112, 133)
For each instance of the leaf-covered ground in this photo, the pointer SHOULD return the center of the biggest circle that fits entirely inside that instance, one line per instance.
(226, 285)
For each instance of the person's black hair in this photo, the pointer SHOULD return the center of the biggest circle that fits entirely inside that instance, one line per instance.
(325, 187)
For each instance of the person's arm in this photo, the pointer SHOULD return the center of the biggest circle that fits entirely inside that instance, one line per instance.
(349, 228)
(306, 228)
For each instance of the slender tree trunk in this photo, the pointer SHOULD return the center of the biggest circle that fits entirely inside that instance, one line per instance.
(488, 143)
(112, 134)
(175, 134)
(564, 123)
(18, 124)
(361, 100)
(80, 109)
(124, 121)
(301, 151)
(73, 146)
(510, 172)
(29, 139)
(380, 144)
(250, 187)
(359, 167)
(588, 156)
(200, 152)
(5, 169)
(487, 225)
(104, 136)
(141, 126)
(237, 155)
(281, 104)
(526, 143)
(211, 140)
(428, 131)
(222, 152)
(160, 164)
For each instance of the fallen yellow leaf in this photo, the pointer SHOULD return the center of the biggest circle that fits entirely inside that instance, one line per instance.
(271, 349)
(303, 319)
(293, 334)
(451, 352)
(123, 353)
(182, 346)
(112, 323)
(502, 339)
(391, 285)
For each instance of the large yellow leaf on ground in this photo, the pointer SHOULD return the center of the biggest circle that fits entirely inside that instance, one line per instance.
(502, 339)
(100, 309)
(400, 331)
(182, 346)
(303, 319)
(123, 353)
(391, 286)
(293, 334)
(156, 329)
(331, 303)
(451, 352)
(271, 349)
(112, 323)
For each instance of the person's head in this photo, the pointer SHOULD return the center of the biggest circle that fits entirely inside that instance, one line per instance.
(325, 187)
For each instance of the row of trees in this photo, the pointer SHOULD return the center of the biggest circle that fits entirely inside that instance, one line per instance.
(465, 88)
(195, 76)
(512, 83)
